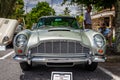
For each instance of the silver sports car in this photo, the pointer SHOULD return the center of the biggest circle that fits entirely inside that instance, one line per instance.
(58, 41)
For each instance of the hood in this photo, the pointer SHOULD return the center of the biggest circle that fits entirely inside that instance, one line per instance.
(59, 33)
(7, 28)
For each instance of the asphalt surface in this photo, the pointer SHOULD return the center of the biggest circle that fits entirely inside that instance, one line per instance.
(10, 70)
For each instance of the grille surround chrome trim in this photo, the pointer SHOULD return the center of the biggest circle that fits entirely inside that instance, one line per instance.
(61, 42)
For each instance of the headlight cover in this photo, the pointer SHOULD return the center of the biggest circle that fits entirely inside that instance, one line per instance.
(21, 40)
(99, 40)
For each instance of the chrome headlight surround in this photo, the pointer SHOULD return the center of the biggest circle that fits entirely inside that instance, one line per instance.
(21, 40)
(99, 41)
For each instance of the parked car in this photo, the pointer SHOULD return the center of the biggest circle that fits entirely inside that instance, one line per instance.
(58, 41)
(7, 29)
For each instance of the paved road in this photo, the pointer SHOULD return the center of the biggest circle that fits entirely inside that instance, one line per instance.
(10, 70)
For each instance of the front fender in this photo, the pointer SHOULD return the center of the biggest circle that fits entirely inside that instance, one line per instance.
(27, 33)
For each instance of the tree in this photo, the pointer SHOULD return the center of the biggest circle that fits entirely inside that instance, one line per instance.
(6, 7)
(18, 9)
(66, 11)
(41, 9)
(80, 9)
(117, 24)
(103, 4)
(11, 8)
(97, 3)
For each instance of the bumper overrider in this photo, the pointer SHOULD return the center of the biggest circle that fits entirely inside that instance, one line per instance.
(60, 60)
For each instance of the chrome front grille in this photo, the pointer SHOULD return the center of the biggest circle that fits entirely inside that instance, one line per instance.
(60, 46)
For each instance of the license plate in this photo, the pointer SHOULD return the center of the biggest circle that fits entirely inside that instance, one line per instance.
(61, 76)
(2, 47)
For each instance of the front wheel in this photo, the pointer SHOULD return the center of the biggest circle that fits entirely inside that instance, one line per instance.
(25, 66)
(92, 66)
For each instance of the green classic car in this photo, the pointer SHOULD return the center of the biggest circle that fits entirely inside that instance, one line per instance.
(58, 41)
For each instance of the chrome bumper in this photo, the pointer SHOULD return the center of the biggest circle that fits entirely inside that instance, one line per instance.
(73, 60)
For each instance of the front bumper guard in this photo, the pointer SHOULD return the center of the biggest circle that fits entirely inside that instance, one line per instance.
(60, 60)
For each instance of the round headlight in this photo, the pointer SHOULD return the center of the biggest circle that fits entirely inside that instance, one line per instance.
(21, 40)
(99, 40)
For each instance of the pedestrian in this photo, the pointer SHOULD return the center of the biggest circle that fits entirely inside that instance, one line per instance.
(107, 33)
(87, 18)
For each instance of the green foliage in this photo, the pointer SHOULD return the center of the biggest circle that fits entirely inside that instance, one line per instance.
(80, 20)
(97, 3)
(18, 9)
(41, 9)
(113, 39)
(6, 8)
(11, 8)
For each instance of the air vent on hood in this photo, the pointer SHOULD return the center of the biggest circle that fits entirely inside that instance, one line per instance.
(58, 30)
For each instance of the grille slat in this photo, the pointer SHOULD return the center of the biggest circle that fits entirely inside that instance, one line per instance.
(63, 47)
(41, 48)
(71, 47)
(60, 47)
(56, 47)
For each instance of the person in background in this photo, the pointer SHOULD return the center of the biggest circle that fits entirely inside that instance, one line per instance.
(107, 33)
(87, 18)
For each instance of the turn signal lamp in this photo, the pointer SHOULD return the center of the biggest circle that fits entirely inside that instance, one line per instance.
(19, 51)
(100, 51)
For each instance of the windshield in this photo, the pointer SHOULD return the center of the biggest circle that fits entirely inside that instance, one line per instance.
(58, 22)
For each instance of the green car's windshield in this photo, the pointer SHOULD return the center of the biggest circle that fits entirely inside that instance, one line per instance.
(58, 22)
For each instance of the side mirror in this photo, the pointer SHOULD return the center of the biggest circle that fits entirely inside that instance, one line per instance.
(34, 26)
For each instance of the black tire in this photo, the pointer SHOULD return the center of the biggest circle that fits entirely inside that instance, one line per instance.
(91, 67)
(25, 66)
